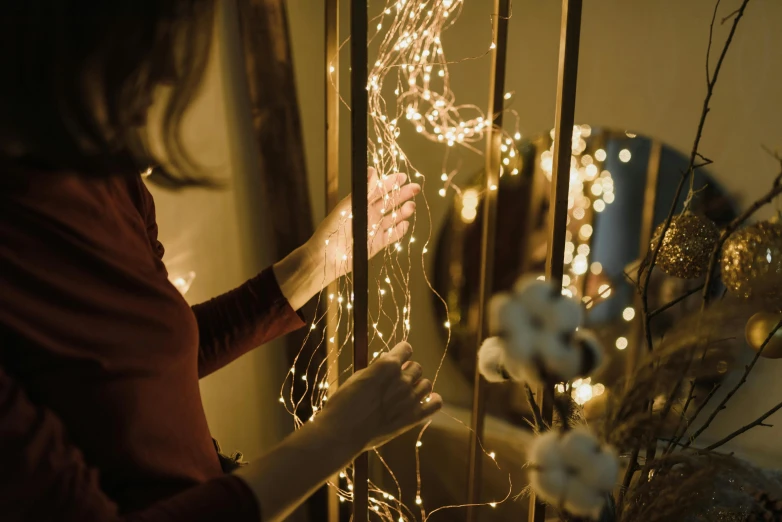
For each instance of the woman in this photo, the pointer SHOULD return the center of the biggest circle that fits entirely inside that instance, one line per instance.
(100, 413)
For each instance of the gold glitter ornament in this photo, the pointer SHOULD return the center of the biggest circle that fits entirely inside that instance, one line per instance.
(687, 246)
(758, 327)
(752, 261)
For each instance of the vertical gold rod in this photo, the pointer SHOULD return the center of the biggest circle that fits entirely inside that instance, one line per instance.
(492, 171)
(358, 166)
(647, 226)
(332, 198)
(570, 33)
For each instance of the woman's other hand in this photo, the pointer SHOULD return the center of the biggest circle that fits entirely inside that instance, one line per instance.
(390, 207)
(325, 256)
(384, 400)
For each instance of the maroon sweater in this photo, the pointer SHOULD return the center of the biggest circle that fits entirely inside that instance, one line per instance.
(100, 412)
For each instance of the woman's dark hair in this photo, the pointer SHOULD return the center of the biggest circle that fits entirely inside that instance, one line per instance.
(124, 49)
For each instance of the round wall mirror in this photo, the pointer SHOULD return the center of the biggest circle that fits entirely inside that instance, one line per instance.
(621, 186)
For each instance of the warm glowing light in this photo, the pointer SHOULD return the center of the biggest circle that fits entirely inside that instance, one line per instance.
(582, 393)
(585, 232)
(600, 155)
(580, 265)
(625, 155)
(621, 343)
(628, 313)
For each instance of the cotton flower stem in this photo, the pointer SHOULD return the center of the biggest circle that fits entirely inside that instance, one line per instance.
(632, 467)
(539, 425)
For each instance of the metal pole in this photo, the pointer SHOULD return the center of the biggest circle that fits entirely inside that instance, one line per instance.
(570, 32)
(492, 171)
(332, 198)
(358, 154)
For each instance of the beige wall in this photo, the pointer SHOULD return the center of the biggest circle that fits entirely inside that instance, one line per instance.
(641, 68)
(222, 236)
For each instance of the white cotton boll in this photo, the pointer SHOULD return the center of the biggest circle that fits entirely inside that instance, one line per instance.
(549, 484)
(533, 293)
(547, 473)
(491, 357)
(521, 370)
(582, 500)
(603, 472)
(560, 359)
(579, 448)
(496, 304)
(590, 352)
(515, 324)
(563, 315)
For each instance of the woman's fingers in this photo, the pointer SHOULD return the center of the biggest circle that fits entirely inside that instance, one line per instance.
(382, 239)
(401, 353)
(378, 188)
(431, 405)
(412, 372)
(395, 196)
(422, 389)
(393, 218)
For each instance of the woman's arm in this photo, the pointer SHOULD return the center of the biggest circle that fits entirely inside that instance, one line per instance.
(264, 307)
(372, 406)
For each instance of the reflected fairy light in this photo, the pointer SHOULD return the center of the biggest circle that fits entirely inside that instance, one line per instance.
(469, 205)
(183, 282)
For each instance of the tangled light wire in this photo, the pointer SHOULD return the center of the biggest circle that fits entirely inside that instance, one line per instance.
(411, 59)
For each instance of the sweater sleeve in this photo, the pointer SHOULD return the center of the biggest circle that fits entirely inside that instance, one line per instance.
(44, 478)
(236, 322)
(233, 323)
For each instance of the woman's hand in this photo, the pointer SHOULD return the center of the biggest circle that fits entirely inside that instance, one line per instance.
(326, 255)
(382, 401)
(371, 407)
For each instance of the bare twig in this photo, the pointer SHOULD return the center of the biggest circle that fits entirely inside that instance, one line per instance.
(776, 190)
(738, 385)
(678, 436)
(711, 81)
(756, 422)
(676, 301)
(535, 409)
(731, 15)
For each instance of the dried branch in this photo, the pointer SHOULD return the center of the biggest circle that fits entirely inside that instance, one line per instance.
(676, 301)
(632, 467)
(731, 15)
(756, 422)
(738, 385)
(678, 436)
(690, 396)
(539, 426)
(710, 83)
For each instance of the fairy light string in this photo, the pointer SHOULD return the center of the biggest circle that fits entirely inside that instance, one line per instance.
(410, 62)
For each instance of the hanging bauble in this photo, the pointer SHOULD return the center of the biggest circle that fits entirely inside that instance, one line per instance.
(752, 261)
(758, 328)
(687, 245)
